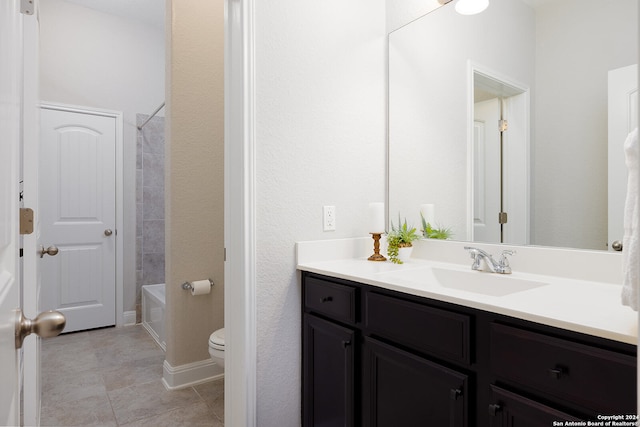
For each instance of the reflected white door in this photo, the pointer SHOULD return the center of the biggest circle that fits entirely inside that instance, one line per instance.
(78, 216)
(486, 180)
(10, 109)
(623, 118)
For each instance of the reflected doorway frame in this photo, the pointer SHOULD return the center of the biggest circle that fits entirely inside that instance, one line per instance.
(517, 152)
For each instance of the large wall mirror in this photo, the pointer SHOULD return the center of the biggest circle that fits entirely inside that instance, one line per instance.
(522, 109)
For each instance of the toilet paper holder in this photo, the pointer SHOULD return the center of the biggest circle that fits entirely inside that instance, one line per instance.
(187, 286)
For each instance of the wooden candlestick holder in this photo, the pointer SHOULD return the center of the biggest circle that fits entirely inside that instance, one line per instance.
(376, 248)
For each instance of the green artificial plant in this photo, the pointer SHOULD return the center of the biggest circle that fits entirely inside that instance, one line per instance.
(400, 237)
(431, 232)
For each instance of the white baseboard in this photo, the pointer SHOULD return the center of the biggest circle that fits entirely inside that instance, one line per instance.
(182, 376)
(129, 318)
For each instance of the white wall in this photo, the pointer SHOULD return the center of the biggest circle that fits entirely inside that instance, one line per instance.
(570, 157)
(320, 135)
(93, 59)
(100, 60)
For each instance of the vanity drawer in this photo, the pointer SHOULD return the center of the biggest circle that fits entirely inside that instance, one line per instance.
(597, 379)
(511, 409)
(331, 299)
(427, 329)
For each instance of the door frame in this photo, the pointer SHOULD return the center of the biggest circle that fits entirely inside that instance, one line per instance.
(118, 116)
(240, 388)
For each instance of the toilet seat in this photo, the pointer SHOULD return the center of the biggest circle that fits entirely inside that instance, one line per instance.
(216, 340)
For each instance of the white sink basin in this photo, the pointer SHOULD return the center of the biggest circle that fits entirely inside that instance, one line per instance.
(478, 282)
(483, 283)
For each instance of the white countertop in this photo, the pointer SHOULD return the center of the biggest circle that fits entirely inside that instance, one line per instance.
(578, 305)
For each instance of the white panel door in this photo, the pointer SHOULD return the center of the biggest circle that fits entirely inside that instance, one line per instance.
(486, 180)
(10, 107)
(623, 118)
(77, 208)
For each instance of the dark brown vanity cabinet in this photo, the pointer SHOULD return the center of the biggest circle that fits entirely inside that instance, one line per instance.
(402, 389)
(355, 375)
(329, 369)
(378, 358)
(400, 386)
(329, 349)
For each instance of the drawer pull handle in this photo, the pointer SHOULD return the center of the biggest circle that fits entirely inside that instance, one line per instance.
(494, 409)
(346, 344)
(555, 373)
(326, 299)
(455, 393)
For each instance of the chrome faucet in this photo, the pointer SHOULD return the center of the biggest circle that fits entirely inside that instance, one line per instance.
(501, 266)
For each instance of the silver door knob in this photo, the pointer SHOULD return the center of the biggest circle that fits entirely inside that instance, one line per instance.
(51, 251)
(616, 245)
(108, 232)
(46, 325)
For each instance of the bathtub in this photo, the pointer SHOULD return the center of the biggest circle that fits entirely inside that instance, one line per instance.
(153, 302)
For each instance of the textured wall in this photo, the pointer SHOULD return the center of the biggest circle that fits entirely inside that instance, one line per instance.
(320, 136)
(194, 176)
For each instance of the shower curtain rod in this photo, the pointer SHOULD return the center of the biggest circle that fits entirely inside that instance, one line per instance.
(151, 116)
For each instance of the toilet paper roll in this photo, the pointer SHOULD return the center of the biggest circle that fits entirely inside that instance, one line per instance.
(200, 287)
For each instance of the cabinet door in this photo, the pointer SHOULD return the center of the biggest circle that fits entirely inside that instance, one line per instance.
(328, 373)
(511, 410)
(402, 389)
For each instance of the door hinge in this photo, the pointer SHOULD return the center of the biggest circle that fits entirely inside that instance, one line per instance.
(27, 7)
(503, 125)
(26, 220)
(502, 217)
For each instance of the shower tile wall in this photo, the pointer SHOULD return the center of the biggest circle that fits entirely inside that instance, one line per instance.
(150, 205)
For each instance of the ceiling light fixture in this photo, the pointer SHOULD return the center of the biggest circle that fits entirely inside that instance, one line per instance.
(471, 7)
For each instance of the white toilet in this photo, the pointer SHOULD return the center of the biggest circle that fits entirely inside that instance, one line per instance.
(216, 347)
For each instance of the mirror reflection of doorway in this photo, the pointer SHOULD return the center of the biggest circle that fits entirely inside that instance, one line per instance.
(487, 163)
(500, 160)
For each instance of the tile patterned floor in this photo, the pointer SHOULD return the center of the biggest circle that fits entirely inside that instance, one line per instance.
(112, 377)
